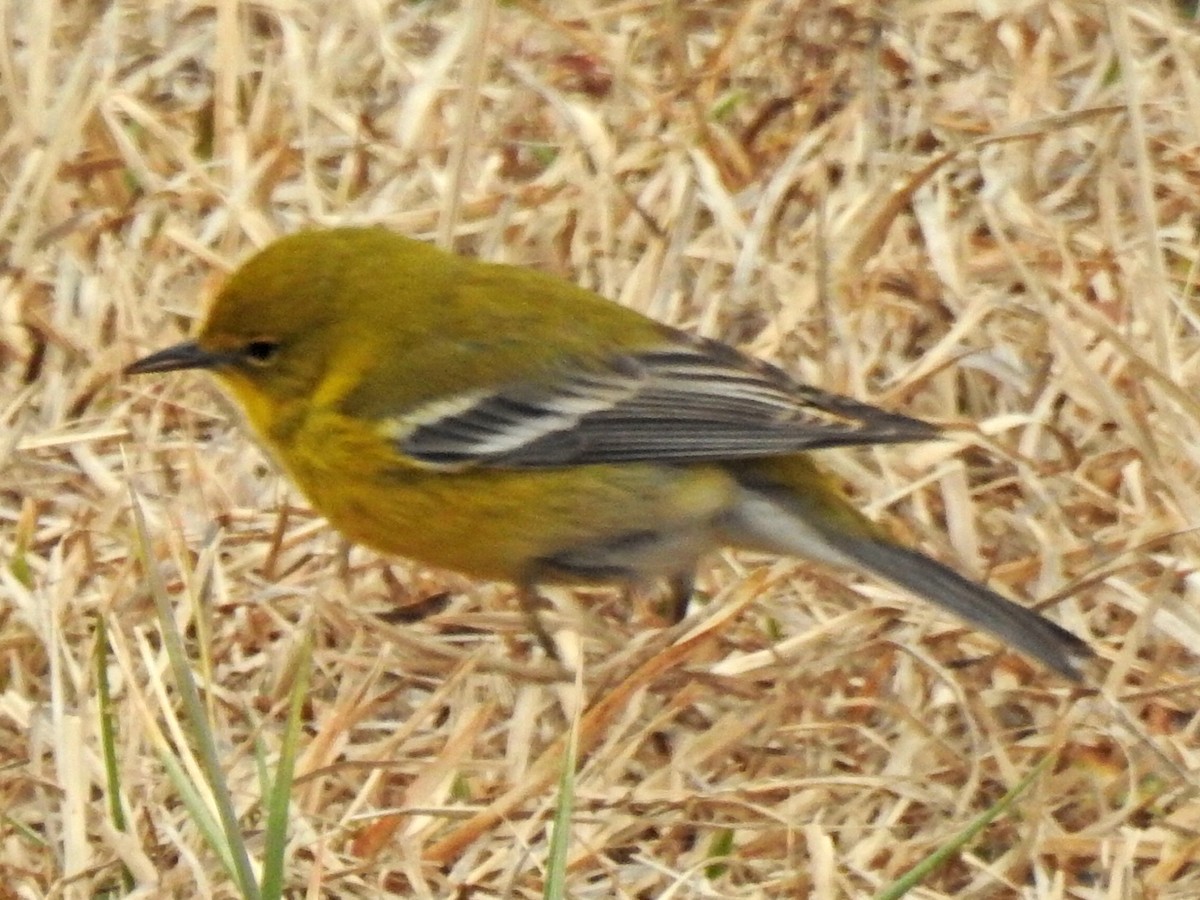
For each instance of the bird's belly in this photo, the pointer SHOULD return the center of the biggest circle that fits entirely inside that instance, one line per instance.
(623, 523)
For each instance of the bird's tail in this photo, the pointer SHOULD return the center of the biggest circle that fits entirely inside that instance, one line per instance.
(980, 606)
(789, 507)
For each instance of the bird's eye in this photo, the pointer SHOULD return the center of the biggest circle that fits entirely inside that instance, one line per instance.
(261, 351)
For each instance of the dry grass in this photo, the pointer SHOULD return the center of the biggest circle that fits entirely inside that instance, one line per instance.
(985, 219)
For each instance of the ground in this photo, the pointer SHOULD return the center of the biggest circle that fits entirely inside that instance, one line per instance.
(980, 214)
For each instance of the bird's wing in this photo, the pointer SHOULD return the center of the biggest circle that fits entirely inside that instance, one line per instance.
(687, 402)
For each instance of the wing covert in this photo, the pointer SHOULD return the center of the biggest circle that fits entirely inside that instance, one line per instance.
(685, 402)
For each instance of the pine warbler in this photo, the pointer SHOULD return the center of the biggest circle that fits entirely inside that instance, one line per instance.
(509, 425)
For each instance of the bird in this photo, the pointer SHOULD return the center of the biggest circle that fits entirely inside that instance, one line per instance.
(509, 425)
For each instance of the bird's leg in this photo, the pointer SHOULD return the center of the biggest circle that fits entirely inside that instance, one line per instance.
(530, 601)
(681, 586)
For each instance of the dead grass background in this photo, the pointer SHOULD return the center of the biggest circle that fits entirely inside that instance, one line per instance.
(984, 214)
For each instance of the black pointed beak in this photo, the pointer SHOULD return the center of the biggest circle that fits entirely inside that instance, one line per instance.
(188, 355)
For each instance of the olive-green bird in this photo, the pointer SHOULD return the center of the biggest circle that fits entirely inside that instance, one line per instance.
(509, 425)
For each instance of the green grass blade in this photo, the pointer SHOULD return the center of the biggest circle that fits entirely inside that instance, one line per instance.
(279, 799)
(560, 834)
(206, 747)
(108, 740)
(939, 857)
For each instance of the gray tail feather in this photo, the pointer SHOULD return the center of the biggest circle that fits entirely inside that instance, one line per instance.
(1017, 626)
